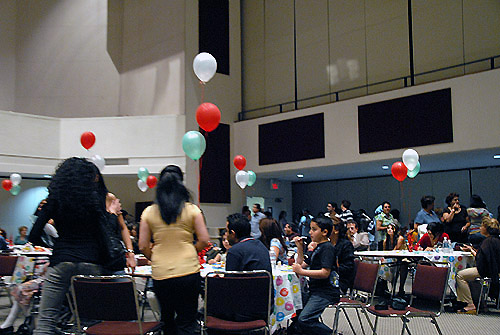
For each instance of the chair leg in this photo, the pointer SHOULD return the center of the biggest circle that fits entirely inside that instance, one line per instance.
(375, 326)
(434, 321)
(348, 320)
(405, 325)
(369, 321)
(336, 320)
(360, 322)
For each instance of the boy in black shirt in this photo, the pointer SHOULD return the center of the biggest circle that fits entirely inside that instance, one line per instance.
(323, 281)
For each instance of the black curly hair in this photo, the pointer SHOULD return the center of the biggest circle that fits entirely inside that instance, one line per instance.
(76, 191)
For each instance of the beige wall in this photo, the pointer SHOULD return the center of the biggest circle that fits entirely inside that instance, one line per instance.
(475, 102)
(62, 67)
(7, 54)
(346, 44)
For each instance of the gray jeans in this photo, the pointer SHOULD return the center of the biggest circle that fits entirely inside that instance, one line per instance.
(55, 287)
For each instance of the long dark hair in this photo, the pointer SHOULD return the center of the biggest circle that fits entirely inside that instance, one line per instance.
(76, 191)
(390, 243)
(270, 229)
(171, 194)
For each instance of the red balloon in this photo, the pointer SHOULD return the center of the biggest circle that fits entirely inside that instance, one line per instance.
(399, 171)
(6, 184)
(240, 162)
(208, 116)
(87, 139)
(151, 181)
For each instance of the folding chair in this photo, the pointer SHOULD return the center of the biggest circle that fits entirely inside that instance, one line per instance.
(7, 267)
(365, 281)
(430, 285)
(237, 301)
(111, 300)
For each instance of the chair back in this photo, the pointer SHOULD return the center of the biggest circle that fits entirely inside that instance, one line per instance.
(106, 298)
(366, 277)
(7, 265)
(238, 295)
(430, 282)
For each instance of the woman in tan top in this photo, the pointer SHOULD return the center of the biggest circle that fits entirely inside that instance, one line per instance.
(171, 223)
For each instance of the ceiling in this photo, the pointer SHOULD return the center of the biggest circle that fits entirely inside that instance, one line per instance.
(428, 163)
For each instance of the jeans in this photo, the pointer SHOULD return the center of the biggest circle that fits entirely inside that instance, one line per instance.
(178, 298)
(315, 304)
(55, 287)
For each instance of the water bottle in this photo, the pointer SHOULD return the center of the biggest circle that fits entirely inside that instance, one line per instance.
(272, 256)
(446, 245)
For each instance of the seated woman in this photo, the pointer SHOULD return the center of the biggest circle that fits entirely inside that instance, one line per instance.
(395, 241)
(272, 239)
(221, 257)
(344, 255)
(487, 264)
(22, 238)
(477, 211)
(435, 233)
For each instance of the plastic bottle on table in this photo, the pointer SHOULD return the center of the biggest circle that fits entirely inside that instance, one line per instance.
(272, 256)
(446, 245)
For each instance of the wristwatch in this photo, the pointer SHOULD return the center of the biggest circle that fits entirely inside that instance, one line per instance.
(129, 251)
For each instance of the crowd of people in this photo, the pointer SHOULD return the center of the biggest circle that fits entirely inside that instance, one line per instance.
(173, 235)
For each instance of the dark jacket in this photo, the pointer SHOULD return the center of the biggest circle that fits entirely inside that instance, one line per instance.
(488, 262)
(344, 253)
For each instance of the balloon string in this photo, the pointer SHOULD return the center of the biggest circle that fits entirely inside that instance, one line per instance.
(403, 205)
(202, 91)
(205, 134)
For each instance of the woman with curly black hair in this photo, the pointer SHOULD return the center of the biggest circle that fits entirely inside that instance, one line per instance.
(77, 204)
(172, 221)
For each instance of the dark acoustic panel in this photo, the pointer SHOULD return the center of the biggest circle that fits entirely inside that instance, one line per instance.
(214, 31)
(292, 140)
(413, 121)
(215, 167)
(140, 207)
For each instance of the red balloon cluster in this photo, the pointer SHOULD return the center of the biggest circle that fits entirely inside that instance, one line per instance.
(7, 184)
(151, 181)
(240, 162)
(208, 116)
(399, 171)
(87, 139)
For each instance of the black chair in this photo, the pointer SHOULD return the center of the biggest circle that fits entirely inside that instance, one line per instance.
(237, 302)
(429, 285)
(111, 300)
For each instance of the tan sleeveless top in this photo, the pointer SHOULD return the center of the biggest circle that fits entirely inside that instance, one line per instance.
(173, 253)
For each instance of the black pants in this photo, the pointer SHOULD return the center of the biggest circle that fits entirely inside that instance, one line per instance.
(178, 298)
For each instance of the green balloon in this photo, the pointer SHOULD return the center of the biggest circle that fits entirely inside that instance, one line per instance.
(194, 144)
(15, 190)
(143, 174)
(252, 177)
(413, 173)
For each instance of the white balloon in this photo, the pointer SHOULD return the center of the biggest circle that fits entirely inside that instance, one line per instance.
(98, 161)
(410, 159)
(242, 179)
(142, 185)
(15, 178)
(204, 66)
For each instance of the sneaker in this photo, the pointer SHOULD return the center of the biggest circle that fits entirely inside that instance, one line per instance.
(7, 331)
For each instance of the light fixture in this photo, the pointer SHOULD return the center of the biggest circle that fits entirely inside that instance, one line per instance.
(300, 175)
(496, 156)
(385, 167)
(47, 176)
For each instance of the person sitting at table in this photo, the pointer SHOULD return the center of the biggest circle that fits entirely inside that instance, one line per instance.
(360, 241)
(323, 277)
(22, 238)
(382, 220)
(435, 233)
(395, 241)
(455, 218)
(246, 253)
(487, 264)
(476, 211)
(273, 240)
(4, 245)
(426, 215)
(344, 255)
(221, 256)
(290, 233)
